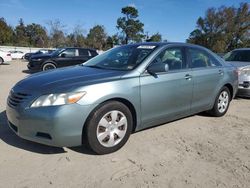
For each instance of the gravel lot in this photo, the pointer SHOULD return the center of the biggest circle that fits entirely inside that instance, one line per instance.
(197, 151)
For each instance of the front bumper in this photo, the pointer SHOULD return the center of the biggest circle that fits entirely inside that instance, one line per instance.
(244, 87)
(33, 66)
(59, 126)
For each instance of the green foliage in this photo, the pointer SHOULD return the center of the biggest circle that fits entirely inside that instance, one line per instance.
(20, 34)
(97, 37)
(57, 36)
(155, 38)
(37, 35)
(130, 26)
(6, 33)
(76, 39)
(223, 29)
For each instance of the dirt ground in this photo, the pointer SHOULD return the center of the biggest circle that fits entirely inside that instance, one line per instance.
(197, 151)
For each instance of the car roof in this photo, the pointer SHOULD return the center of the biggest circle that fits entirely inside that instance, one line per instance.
(158, 44)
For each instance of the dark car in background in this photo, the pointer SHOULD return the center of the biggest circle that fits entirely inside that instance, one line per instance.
(41, 51)
(241, 59)
(61, 58)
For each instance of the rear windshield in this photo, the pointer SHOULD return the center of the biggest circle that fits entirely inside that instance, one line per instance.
(238, 55)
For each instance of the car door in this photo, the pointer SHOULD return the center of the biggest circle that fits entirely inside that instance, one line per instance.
(166, 96)
(68, 57)
(207, 75)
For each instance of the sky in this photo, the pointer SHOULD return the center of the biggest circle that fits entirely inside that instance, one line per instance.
(174, 19)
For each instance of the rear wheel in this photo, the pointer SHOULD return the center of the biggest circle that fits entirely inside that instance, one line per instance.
(221, 103)
(108, 127)
(48, 66)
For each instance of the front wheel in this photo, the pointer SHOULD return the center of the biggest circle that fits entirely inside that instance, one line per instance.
(48, 66)
(108, 127)
(221, 103)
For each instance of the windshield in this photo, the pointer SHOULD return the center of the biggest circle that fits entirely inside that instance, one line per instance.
(239, 55)
(57, 52)
(121, 58)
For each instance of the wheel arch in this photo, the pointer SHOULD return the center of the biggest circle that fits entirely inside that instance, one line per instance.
(121, 100)
(231, 90)
(49, 61)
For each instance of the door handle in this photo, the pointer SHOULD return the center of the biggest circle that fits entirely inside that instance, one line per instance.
(221, 72)
(188, 77)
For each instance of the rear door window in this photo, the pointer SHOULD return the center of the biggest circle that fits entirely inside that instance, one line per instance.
(201, 59)
(243, 55)
(84, 52)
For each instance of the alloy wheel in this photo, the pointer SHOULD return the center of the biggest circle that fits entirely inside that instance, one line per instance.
(112, 128)
(223, 101)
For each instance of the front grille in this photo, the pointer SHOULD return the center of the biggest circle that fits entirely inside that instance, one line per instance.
(16, 98)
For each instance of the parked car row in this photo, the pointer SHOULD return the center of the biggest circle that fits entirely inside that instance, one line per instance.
(129, 88)
(17, 54)
(60, 58)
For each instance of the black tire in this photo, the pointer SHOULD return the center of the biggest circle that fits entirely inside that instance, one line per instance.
(215, 111)
(48, 66)
(91, 128)
(1, 60)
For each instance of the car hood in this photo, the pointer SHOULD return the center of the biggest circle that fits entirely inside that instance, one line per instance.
(41, 56)
(66, 79)
(239, 63)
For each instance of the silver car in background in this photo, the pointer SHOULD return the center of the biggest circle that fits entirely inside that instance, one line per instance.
(125, 89)
(241, 59)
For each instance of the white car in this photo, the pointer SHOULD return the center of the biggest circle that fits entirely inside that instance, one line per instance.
(241, 59)
(5, 57)
(17, 54)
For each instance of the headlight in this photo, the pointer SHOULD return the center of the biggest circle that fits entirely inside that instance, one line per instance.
(57, 99)
(245, 71)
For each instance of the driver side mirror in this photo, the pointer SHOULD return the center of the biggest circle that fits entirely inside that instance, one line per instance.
(157, 68)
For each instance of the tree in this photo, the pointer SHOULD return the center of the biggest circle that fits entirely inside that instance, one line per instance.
(6, 33)
(57, 36)
(223, 29)
(155, 38)
(97, 37)
(130, 26)
(109, 43)
(20, 35)
(112, 41)
(77, 38)
(37, 35)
